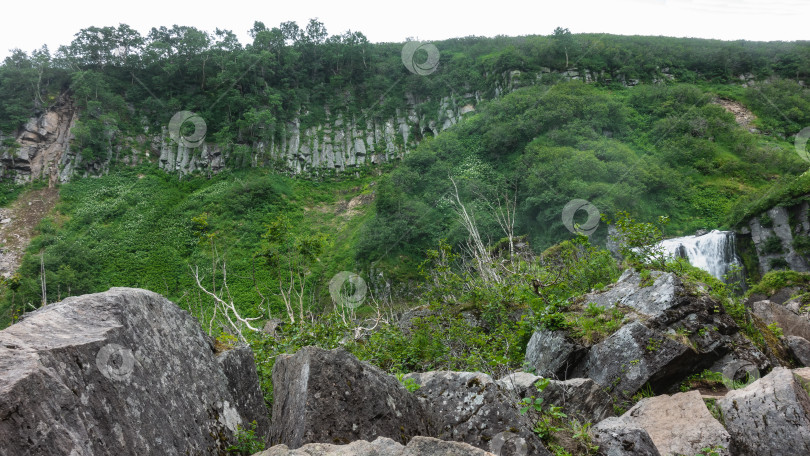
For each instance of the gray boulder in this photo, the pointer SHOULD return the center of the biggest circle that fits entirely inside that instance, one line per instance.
(472, 408)
(769, 417)
(652, 300)
(553, 354)
(800, 349)
(783, 294)
(682, 311)
(803, 375)
(418, 446)
(634, 356)
(617, 438)
(124, 372)
(678, 424)
(792, 324)
(329, 396)
(239, 367)
(580, 398)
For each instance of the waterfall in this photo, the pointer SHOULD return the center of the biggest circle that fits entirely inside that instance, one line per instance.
(714, 252)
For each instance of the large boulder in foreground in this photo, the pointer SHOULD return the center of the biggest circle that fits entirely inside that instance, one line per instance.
(418, 446)
(678, 424)
(684, 311)
(124, 372)
(329, 396)
(472, 408)
(768, 417)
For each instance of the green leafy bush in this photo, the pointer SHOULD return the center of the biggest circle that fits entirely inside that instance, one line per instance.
(765, 220)
(802, 244)
(775, 329)
(247, 442)
(772, 245)
(640, 241)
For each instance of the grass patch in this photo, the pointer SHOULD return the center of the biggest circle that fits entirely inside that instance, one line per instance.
(774, 281)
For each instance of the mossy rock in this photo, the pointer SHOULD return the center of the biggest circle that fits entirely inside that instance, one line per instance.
(773, 344)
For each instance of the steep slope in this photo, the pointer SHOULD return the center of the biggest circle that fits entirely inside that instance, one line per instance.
(18, 225)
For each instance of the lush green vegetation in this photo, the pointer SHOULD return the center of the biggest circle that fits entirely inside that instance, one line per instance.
(144, 228)
(649, 150)
(9, 192)
(470, 322)
(773, 281)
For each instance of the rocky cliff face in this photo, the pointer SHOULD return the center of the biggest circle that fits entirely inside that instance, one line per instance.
(776, 239)
(339, 143)
(42, 147)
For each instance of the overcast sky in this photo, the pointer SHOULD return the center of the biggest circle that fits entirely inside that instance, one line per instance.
(30, 25)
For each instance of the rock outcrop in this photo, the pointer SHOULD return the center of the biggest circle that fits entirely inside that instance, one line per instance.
(339, 142)
(791, 323)
(418, 446)
(769, 417)
(800, 349)
(329, 396)
(124, 372)
(773, 239)
(671, 330)
(42, 147)
(651, 300)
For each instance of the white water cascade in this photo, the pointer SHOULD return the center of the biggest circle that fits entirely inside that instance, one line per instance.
(714, 252)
